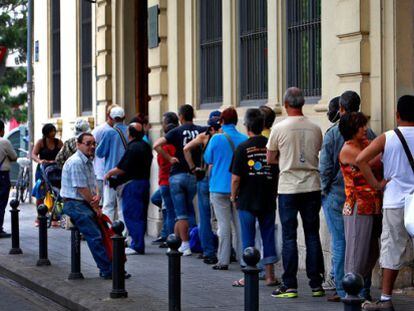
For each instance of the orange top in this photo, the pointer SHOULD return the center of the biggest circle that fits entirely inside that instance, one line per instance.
(358, 191)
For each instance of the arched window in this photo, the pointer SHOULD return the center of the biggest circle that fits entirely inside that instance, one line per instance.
(304, 45)
(253, 51)
(211, 52)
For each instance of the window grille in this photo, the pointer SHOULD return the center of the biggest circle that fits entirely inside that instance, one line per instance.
(55, 22)
(304, 45)
(86, 57)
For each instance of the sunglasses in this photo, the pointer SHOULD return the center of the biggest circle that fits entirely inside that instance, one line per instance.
(89, 144)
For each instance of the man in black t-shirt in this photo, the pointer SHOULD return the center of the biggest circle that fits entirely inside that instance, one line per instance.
(253, 191)
(134, 170)
(183, 184)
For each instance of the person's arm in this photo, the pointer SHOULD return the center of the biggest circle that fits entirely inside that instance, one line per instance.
(10, 152)
(114, 172)
(62, 156)
(272, 157)
(375, 148)
(91, 199)
(102, 151)
(36, 151)
(158, 148)
(272, 154)
(195, 143)
(327, 163)
(235, 187)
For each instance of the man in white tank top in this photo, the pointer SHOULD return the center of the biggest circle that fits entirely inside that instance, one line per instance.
(397, 184)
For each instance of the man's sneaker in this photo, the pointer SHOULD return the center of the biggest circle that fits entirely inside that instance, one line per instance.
(378, 306)
(329, 284)
(210, 260)
(318, 292)
(334, 298)
(130, 251)
(4, 235)
(159, 240)
(284, 292)
(186, 251)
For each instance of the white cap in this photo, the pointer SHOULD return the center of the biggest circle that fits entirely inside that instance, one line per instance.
(117, 112)
(81, 126)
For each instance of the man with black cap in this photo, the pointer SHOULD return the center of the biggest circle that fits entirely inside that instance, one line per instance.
(333, 190)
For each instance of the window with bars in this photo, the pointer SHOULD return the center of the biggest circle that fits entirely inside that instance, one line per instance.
(55, 29)
(86, 57)
(211, 53)
(304, 45)
(253, 51)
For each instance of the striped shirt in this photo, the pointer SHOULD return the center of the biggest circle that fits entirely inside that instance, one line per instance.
(77, 173)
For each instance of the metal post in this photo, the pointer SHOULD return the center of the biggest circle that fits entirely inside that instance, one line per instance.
(174, 273)
(251, 257)
(14, 204)
(75, 259)
(43, 260)
(352, 283)
(30, 122)
(118, 261)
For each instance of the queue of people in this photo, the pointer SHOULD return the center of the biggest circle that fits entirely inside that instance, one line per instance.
(359, 180)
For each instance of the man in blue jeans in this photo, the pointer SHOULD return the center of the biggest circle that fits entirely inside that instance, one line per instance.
(333, 189)
(294, 144)
(81, 201)
(183, 184)
(133, 171)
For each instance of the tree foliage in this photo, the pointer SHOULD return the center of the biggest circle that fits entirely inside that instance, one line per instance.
(13, 35)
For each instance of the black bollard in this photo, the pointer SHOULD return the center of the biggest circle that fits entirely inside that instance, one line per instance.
(174, 273)
(118, 261)
(14, 204)
(251, 257)
(43, 260)
(352, 283)
(75, 259)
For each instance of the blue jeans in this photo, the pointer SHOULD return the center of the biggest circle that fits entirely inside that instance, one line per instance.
(84, 218)
(308, 205)
(267, 231)
(4, 195)
(183, 188)
(156, 199)
(205, 231)
(135, 199)
(332, 208)
(168, 210)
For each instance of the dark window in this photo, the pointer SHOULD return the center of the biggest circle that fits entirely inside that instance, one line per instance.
(55, 9)
(253, 50)
(86, 57)
(304, 45)
(211, 52)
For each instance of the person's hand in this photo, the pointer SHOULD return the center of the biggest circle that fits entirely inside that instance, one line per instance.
(174, 160)
(107, 176)
(96, 198)
(98, 211)
(382, 184)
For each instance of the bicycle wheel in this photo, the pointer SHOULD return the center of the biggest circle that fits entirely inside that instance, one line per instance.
(24, 186)
(18, 185)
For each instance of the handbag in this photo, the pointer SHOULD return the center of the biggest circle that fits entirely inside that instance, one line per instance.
(409, 199)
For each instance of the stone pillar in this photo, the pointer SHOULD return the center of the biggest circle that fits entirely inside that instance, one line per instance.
(103, 57)
(158, 91)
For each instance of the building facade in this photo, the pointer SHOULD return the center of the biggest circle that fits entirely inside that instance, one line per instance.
(151, 56)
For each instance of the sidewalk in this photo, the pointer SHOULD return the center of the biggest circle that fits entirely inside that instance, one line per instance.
(202, 287)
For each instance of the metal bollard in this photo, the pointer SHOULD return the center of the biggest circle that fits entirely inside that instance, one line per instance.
(14, 212)
(352, 283)
(118, 261)
(251, 257)
(43, 260)
(75, 255)
(174, 273)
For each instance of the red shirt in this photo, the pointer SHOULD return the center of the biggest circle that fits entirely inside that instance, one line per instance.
(164, 165)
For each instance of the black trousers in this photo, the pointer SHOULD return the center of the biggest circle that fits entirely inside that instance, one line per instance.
(4, 195)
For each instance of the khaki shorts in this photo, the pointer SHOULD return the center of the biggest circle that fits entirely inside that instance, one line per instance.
(396, 250)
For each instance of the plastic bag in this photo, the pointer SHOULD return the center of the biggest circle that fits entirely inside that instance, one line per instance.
(409, 214)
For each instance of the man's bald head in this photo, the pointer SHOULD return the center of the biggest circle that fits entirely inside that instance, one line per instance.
(294, 97)
(136, 131)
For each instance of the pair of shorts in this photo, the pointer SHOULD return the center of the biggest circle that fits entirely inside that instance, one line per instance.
(396, 250)
(183, 188)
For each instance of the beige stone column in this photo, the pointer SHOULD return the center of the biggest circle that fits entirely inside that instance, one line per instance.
(103, 57)
(176, 53)
(230, 54)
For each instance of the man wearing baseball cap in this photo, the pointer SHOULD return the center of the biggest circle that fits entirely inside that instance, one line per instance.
(112, 147)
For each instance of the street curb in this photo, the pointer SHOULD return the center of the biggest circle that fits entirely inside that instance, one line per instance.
(61, 300)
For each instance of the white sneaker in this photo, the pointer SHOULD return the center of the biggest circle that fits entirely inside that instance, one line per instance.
(130, 251)
(185, 250)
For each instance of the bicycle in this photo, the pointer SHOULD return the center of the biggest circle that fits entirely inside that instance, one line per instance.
(23, 180)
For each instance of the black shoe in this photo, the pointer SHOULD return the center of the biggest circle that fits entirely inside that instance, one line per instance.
(163, 245)
(4, 235)
(159, 241)
(210, 260)
(109, 276)
(201, 256)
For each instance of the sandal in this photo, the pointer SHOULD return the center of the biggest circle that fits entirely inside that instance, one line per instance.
(220, 267)
(238, 283)
(276, 282)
